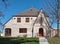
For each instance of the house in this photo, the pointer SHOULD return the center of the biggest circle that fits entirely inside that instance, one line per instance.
(29, 23)
(53, 32)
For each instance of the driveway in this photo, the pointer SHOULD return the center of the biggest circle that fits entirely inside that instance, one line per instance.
(43, 40)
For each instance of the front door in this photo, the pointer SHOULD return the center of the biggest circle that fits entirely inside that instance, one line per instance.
(7, 32)
(40, 31)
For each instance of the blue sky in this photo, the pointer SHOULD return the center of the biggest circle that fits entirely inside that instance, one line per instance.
(17, 6)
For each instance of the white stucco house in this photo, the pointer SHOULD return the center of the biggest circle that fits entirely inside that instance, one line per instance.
(29, 23)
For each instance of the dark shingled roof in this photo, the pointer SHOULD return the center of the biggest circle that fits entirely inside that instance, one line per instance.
(32, 12)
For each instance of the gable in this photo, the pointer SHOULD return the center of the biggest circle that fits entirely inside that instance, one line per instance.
(44, 17)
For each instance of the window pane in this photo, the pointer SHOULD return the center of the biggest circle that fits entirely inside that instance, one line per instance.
(23, 30)
(27, 19)
(18, 19)
(7, 32)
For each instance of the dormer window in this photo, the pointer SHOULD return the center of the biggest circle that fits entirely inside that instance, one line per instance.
(27, 19)
(18, 19)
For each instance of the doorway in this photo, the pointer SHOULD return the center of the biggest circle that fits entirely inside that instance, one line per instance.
(40, 31)
(8, 32)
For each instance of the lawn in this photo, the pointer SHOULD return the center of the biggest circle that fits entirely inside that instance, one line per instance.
(21, 40)
(54, 40)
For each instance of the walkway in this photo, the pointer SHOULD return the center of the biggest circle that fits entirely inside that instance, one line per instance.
(43, 40)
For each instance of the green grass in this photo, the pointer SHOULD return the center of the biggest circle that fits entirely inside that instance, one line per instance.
(54, 40)
(18, 40)
(21, 40)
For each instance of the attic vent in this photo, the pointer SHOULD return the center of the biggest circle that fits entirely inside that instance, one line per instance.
(30, 9)
(14, 18)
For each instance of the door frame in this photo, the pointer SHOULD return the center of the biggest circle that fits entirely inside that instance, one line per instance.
(8, 32)
(41, 32)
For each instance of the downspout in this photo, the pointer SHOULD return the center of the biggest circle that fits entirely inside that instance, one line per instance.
(32, 30)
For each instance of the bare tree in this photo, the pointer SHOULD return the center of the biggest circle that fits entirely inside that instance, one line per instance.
(5, 3)
(57, 16)
(1, 12)
(1, 17)
(53, 8)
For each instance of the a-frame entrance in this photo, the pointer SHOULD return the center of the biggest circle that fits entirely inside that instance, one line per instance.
(40, 31)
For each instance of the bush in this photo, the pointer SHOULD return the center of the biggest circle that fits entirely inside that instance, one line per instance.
(18, 40)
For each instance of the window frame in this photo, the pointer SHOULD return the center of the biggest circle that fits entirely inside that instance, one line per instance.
(18, 20)
(27, 20)
(22, 30)
(8, 32)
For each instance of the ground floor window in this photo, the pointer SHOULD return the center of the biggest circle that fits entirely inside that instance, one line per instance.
(22, 30)
(8, 32)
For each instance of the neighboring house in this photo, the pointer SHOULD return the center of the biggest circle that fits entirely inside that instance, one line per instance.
(54, 32)
(30, 23)
(0, 33)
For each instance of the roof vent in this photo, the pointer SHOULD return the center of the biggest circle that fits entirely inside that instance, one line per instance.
(30, 9)
(41, 10)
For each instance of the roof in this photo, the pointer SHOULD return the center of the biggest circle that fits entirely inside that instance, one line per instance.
(54, 29)
(32, 12)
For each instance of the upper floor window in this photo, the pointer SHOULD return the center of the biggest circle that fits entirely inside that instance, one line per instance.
(18, 19)
(27, 19)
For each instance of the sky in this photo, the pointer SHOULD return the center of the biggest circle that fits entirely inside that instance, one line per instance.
(17, 6)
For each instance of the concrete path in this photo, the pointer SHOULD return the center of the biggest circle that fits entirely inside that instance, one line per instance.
(43, 40)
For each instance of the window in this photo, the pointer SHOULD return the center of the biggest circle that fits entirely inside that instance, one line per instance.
(7, 32)
(18, 19)
(31, 18)
(27, 19)
(22, 30)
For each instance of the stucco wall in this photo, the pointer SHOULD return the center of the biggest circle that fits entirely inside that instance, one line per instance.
(15, 26)
(12, 23)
